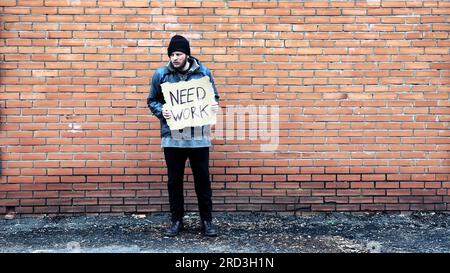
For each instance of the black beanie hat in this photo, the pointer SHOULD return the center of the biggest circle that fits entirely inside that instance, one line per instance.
(179, 43)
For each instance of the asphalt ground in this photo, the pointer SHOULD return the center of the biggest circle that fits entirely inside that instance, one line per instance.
(420, 232)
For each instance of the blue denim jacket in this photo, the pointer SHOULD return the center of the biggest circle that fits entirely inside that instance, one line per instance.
(155, 101)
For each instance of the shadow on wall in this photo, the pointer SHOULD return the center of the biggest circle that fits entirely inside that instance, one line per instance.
(9, 211)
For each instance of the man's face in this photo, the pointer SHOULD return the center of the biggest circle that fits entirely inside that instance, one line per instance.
(178, 59)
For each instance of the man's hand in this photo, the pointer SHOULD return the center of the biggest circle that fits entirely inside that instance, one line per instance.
(166, 113)
(215, 107)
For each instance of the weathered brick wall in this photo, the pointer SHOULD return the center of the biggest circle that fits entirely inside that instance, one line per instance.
(362, 88)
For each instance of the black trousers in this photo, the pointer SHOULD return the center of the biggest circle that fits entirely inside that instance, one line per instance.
(199, 160)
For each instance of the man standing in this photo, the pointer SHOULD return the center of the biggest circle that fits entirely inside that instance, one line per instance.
(190, 142)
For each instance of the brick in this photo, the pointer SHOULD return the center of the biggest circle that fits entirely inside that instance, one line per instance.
(360, 199)
(362, 103)
(362, 185)
(352, 207)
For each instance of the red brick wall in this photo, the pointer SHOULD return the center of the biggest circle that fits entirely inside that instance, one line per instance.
(362, 88)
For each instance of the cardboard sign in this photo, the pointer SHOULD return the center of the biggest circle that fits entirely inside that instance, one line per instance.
(189, 103)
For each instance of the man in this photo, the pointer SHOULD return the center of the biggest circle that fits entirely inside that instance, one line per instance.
(192, 143)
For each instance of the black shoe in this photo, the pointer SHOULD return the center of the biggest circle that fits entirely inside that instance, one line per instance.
(208, 229)
(175, 228)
